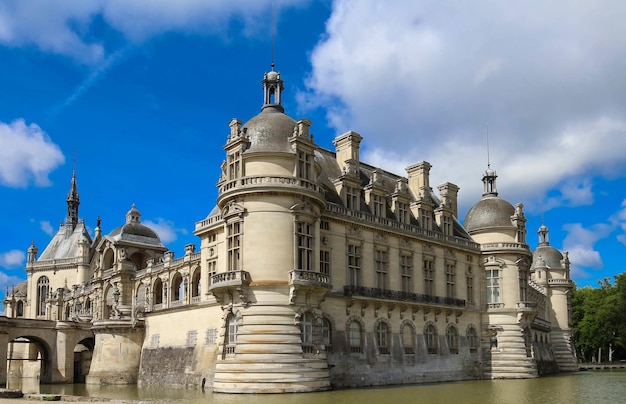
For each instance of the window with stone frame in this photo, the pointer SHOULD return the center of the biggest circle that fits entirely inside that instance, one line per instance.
(43, 289)
(492, 284)
(212, 269)
(446, 224)
(381, 262)
(403, 212)
(378, 205)
(450, 280)
(425, 219)
(352, 198)
(325, 262)
(304, 246)
(355, 337)
(452, 337)
(327, 335)
(382, 338)
(306, 330)
(472, 339)
(524, 274)
(234, 165)
(232, 328)
(469, 284)
(408, 338)
(234, 236)
(406, 271)
(430, 338)
(429, 276)
(354, 264)
(305, 166)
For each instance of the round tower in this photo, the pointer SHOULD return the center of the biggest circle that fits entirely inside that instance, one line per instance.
(500, 229)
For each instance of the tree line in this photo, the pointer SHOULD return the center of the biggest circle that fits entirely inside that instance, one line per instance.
(599, 320)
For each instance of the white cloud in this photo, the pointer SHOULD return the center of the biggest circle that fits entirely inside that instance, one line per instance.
(46, 227)
(27, 153)
(12, 259)
(164, 228)
(64, 26)
(548, 83)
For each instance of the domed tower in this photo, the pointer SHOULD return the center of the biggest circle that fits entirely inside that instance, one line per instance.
(500, 229)
(261, 243)
(550, 269)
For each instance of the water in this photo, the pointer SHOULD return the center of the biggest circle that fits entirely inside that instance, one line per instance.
(596, 387)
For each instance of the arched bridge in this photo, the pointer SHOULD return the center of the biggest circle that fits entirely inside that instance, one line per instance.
(55, 342)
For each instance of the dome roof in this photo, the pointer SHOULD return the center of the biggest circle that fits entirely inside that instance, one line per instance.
(491, 211)
(133, 230)
(269, 130)
(549, 255)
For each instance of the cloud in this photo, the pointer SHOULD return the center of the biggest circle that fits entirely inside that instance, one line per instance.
(547, 82)
(66, 27)
(165, 229)
(12, 259)
(27, 154)
(46, 227)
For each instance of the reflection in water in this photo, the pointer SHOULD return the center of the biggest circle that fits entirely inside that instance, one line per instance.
(582, 387)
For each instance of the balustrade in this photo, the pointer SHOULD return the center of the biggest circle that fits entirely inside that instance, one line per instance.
(386, 294)
(309, 277)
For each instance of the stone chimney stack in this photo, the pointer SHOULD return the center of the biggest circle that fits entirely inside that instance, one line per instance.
(347, 149)
(449, 197)
(419, 181)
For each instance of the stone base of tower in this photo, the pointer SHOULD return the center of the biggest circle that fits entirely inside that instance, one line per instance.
(511, 358)
(117, 352)
(269, 355)
(563, 351)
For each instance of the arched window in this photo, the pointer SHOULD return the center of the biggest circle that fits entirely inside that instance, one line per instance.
(355, 337)
(472, 339)
(177, 288)
(43, 288)
(306, 329)
(195, 284)
(158, 291)
(430, 337)
(231, 335)
(19, 309)
(382, 337)
(408, 338)
(452, 336)
(327, 334)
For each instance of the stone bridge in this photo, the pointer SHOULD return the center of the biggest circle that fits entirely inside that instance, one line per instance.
(55, 341)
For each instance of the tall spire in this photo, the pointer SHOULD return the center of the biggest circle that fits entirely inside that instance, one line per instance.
(489, 177)
(73, 200)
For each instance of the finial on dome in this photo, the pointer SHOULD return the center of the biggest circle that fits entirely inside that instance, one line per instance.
(543, 235)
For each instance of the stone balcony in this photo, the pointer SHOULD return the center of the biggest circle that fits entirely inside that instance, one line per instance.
(229, 279)
(309, 278)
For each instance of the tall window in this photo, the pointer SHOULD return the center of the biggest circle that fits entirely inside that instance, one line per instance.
(378, 205)
(472, 339)
(327, 334)
(430, 336)
(234, 246)
(452, 336)
(304, 241)
(20, 309)
(381, 258)
(382, 337)
(304, 165)
(157, 290)
(354, 264)
(447, 226)
(352, 198)
(425, 219)
(231, 334)
(306, 329)
(408, 339)
(429, 277)
(212, 269)
(523, 285)
(469, 279)
(406, 271)
(43, 287)
(355, 337)
(403, 212)
(325, 262)
(450, 280)
(493, 285)
(234, 165)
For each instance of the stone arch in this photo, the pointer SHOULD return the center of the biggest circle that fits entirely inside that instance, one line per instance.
(407, 336)
(139, 260)
(382, 334)
(452, 338)
(327, 329)
(108, 258)
(83, 352)
(157, 291)
(33, 356)
(177, 288)
(19, 308)
(43, 290)
(355, 331)
(473, 338)
(196, 281)
(431, 336)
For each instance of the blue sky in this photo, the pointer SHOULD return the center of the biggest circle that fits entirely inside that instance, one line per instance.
(142, 93)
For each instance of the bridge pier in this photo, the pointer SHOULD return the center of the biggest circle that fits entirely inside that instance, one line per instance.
(4, 344)
(63, 355)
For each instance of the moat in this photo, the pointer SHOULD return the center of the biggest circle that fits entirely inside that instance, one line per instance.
(582, 387)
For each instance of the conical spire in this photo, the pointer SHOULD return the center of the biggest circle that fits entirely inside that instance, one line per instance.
(73, 200)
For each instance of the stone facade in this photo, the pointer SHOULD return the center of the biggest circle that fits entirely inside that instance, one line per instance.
(315, 271)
